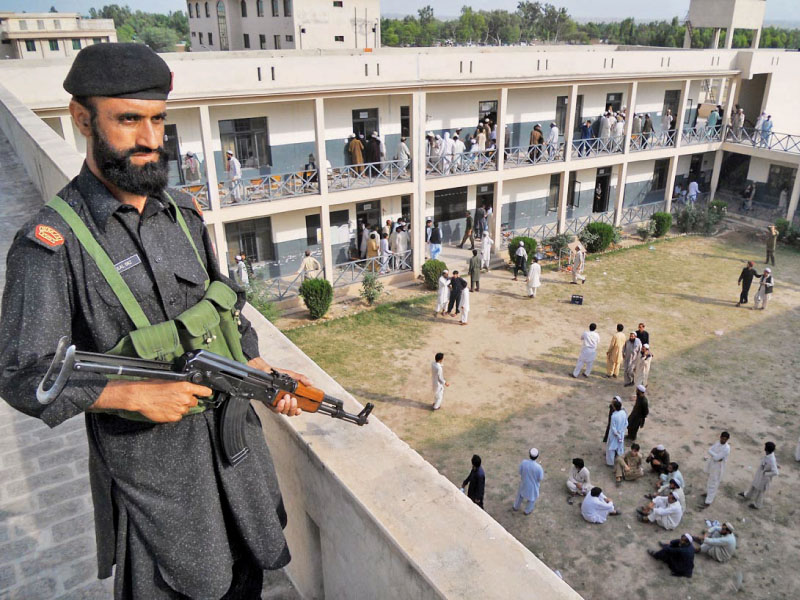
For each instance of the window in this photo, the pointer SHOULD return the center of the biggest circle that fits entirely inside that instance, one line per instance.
(222, 23)
(247, 40)
(244, 9)
(57, 23)
(277, 40)
(40, 24)
(23, 26)
(53, 45)
(338, 4)
(289, 38)
(562, 102)
(338, 38)
(487, 109)
(555, 189)
(249, 140)
(260, 8)
(287, 8)
(365, 121)
(660, 174)
(313, 230)
(614, 101)
(210, 39)
(194, 34)
(578, 112)
(197, 9)
(450, 204)
(275, 8)
(191, 12)
(779, 179)
(574, 191)
(30, 45)
(97, 40)
(262, 41)
(208, 11)
(76, 44)
(405, 208)
(405, 121)
(201, 37)
(252, 237)
(672, 99)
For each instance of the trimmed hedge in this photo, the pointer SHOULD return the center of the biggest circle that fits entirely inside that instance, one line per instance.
(662, 221)
(600, 236)
(529, 243)
(317, 294)
(431, 271)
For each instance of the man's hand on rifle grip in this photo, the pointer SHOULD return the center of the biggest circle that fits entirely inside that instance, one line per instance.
(287, 404)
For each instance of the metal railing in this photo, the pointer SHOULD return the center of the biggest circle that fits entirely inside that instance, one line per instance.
(537, 232)
(756, 210)
(198, 191)
(465, 162)
(641, 212)
(269, 187)
(681, 202)
(523, 156)
(587, 148)
(604, 217)
(701, 135)
(368, 174)
(288, 286)
(652, 141)
(782, 142)
(352, 272)
(575, 226)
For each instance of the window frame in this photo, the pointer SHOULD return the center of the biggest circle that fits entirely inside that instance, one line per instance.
(246, 40)
(79, 44)
(54, 46)
(243, 7)
(30, 45)
(275, 8)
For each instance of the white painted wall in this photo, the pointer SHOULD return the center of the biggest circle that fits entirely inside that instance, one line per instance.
(783, 93)
(650, 96)
(339, 115)
(639, 171)
(759, 170)
(594, 97)
(529, 188)
(288, 122)
(454, 110)
(533, 104)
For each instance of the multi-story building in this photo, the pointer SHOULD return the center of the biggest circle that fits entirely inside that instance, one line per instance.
(50, 35)
(284, 24)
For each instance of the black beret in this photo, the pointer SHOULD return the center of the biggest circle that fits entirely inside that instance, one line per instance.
(119, 71)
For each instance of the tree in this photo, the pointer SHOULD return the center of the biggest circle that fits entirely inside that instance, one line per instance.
(160, 39)
(53, 9)
(425, 14)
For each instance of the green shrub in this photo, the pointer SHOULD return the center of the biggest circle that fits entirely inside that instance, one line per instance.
(558, 242)
(528, 242)
(662, 221)
(371, 288)
(617, 239)
(783, 226)
(793, 236)
(717, 209)
(258, 297)
(597, 236)
(317, 295)
(431, 271)
(646, 230)
(687, 219)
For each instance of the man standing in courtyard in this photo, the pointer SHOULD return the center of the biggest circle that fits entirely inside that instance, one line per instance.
(629, 353)
(746, 280)
(174, 516)
(715, 467)
(764, 293)
(457, 284)
(486, 250)
(641, 409)
(616, 435)
(309, 267)
(766, 472)
(614, 355)
(589, 342)
(475, 482)
(534, 277)
(468, 232)
(475, 272)
(772, 242)
(579, 264)
(438, 380)
(520, 260)
(530, 475)
(443, 296)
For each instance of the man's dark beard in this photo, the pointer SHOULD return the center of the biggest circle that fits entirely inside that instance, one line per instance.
(117, 168)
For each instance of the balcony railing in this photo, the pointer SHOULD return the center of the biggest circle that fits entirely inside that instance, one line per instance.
(701, 135)
(354, 271)
(523, 156)
(782, 142)
(640, 213)
(591, 147)
(465, 162)
(269, 187)
(652, 141)
(368, 174)
(281, 288)
(537, 232)
(755, 210)
(198, 191)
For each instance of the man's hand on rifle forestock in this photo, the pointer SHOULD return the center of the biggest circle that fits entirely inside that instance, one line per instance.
(287, 404)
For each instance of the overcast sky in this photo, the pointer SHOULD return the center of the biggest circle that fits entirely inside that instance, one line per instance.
(618, 9)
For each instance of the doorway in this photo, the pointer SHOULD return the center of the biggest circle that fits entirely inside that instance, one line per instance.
(485, 195)
(173, 154)
(672, 100)
(369, 212)
(487, 109)
(602, 182)
(365, 121)
(449, 208)
(614, 102)
(696, 168)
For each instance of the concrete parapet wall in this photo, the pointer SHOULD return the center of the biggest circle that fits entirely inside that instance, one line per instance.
(369, 518)
(49, 161)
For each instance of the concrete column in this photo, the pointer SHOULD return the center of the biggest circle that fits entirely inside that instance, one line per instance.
(687, 39)
(327, 253)
(497, 213)
(756, 39)
(731, 99)
(418, 124)
(502, 104)
(563, 191)
(632, 91)
(319, 146)
(715, 42)
(681, 116)
(569, 125)
(221, 246)
(67, 130)
(671, 175)
(622, 176)
(729, 37)
(208, 156)
(715, 173)
(794, 197)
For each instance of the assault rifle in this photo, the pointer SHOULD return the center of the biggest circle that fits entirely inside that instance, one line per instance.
(235, 385)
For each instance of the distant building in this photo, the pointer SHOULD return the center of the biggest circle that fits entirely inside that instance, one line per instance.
(284, 24)
(51, 35)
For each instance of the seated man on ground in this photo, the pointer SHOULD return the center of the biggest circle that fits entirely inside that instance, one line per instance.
(718, 542)
(578, 481)
(673, 472)
(671, 487)
(678, 554)
(595, 508)
(665, 511)
(629, 465)
(658, 459)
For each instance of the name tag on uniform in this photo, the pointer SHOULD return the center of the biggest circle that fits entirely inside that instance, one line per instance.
(128, 263)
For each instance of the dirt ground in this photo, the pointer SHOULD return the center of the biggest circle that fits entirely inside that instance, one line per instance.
(715, 367)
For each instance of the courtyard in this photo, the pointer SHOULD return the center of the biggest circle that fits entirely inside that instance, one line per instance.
(715, 367)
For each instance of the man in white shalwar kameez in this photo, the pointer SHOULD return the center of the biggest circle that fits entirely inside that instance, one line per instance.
(444, 293)
(438, 380)
(530, 478)
(463, 305)
(534, 277)
(616, 432)
(767, 470)
(589, 342)
(666, 512)
(486, 250)
(578, 265)
(596, 507)
(715, 467)
(630, 351)
(719, 542)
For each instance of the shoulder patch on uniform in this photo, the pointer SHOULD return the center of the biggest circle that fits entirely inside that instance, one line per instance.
(48, 235)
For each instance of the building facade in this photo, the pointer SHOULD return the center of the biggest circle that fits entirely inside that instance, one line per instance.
(50, 35)
(283, 24)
